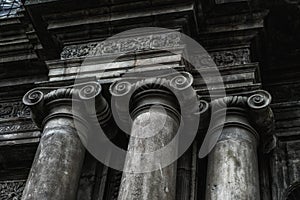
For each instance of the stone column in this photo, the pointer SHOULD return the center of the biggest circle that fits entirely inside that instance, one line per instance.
(56, 168)
(156, 117)
(232, 171)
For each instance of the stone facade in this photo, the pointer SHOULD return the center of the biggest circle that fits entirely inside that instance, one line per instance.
(57, 52)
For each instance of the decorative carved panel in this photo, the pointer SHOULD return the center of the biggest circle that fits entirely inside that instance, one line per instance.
(11, 190)
(17, 126)
(15, 122)
(231, 57)
(123, 45)
(13, 110)
(224, 58)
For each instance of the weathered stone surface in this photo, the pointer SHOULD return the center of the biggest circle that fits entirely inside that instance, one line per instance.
(159, 184)
(233, 167)
(237, 33)
(231, 57)
(232, 171)
(56, 169)
(123, 45)
(156, 121)
(14, 110)
(109, 71)
(19, 49)
(11, 190)
(16, 125)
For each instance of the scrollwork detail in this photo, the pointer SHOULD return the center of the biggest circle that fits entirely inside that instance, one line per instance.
(203, 106)
(11, 190)
(40, 99)
(260, 100)
(33, 97)
(12, 110)
(182, 81)
(172, 91)
(256, 105)
(90, 91)
(120, 88)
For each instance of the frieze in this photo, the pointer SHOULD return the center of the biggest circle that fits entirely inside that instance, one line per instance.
(231, 57)
(13, 110)
(11, 190)
(17, 127)
(123, 45)
(223, 58)
(150, 42)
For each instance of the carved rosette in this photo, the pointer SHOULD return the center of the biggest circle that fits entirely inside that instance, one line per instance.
(173, 92)
(83, 100)
(252, 112)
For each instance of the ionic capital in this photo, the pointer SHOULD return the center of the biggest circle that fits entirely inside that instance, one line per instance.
(174, 92)
(75, 101)
(251, 111)
(256, 105)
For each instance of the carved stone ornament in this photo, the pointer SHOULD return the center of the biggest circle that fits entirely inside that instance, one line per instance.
(256, 106)
(42, 100)
(123, 45)
(11, 190)
(224, 58)
(14, 110)
(174, 92)
(17, 126)
(233, 57)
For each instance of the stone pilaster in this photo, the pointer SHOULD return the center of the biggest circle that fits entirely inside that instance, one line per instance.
(56, 168)
(232, 171)
(156, 112)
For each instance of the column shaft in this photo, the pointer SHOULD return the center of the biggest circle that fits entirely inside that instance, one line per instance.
(64, 115)
(237, 123)
(157, 128)
(232, 171)
(57, 164)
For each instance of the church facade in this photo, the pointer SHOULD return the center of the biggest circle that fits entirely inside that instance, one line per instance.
(149, 99)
